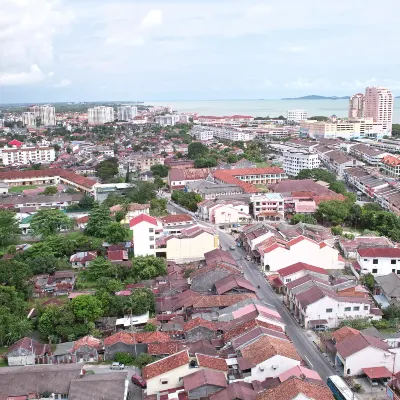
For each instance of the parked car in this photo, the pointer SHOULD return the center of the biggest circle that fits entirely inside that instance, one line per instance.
(232, 247)
(138, 381)
(117, 365)
(248, 258)
(320, 328)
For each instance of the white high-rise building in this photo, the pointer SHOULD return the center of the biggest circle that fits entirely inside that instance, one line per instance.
(100, 115)
(379, 106)
(27, 155)
(47, 115)
(297, 115)
(356, 106)
(29, 119)
(126, 113)
(295, 160)
(165, 120)
(35, 110)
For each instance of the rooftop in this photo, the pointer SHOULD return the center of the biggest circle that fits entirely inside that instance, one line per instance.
(166, 364)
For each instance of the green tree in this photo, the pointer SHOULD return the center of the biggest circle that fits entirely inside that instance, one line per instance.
(232, 158)
(143, 359)
(61, 246)
(338, 187)
(197, 150)
(369, 281)
(318, 174)
(50, 191)
(142, 193)
(158, 207)
(396, 129)
(141, 301)
(86, 308)
(320, 118)
(149, 328)
(86, 202)
(15, 273)
(49, 222)
(107, 169)
(189, 200)
(337, 230)
(158, 182)
(333, 211)
(127, 176)
(205, 162)
(117, 233)
(56, 147)
(69, 150)
(147, 267)
(99, 221)
(305, 218)
(98, 268)
(9, 228)
(159, 170)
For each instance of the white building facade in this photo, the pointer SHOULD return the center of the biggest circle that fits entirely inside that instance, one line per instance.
(297, 115)
(379, 261)
(126, 113)
(100, 115)
(379, 106)
(27, 155)
(295, 160)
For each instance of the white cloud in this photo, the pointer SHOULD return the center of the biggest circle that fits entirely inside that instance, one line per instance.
(27, 37)
(62, 83)
(51, 73)
(153, 18)
(359, 84)
(21, 78)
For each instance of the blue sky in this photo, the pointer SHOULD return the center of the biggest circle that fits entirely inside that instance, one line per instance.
(82, 50)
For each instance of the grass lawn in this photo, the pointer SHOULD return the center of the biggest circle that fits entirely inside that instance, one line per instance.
(262, 165)
(19, 189)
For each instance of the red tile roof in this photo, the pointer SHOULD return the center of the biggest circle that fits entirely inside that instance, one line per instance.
(377, 372)
(15, 142)
(151, 337)
(89, 341)
(291, 389)
(166, 364)
(233, 281)
(120, 337)
(379, 252)
(344, 333)
(243, 327)
(236, 391)
(266, 347)
(169, 219)
(31, 345)
(356, 343)
(157, 349)
(220, 301)
(300, 266)
(194, 323)
(142, 217)
(212, 362)
(203, 378)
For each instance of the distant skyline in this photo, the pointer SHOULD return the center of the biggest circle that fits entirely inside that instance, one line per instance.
(165, 50)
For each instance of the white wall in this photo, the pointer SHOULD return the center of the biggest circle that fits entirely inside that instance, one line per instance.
(282, 363)
(300, 274)
(154, 385)
(383, 267)
(304, 251)
(21, 360)
(141, 239)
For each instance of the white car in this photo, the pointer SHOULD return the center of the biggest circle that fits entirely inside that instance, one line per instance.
(117, 365)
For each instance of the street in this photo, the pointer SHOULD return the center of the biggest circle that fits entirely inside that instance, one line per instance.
(305, 347)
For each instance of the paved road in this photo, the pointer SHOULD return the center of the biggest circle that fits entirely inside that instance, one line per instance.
(305, 347)
(303, 343)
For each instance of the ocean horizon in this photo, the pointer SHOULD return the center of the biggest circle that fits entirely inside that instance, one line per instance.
(264, 108)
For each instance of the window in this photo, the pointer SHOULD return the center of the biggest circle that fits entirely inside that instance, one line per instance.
(393, 270)
(152, 246)
(288, 280)
(151, 229)
(366, 308)
(347, 309)
(392, 261)
(329, 310)
(374, 271)
(151, 237)
(365, 259)
(375, 261)
(356, 308)
(164, 381)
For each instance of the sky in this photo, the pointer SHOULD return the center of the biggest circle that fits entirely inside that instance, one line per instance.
(137, 50)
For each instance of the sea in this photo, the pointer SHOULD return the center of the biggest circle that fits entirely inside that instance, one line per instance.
(264, 108)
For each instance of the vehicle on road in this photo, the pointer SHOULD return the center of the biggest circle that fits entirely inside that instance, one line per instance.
(138, 381)
(232, 247)
(248, 258)
(117, 365)
(339, 388)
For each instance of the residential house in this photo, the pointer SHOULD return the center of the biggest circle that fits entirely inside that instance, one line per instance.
(200, 329)
(143, 161)
(390, 165)
(179, 178)
(297, 389)
(371, 155)
(27, 351)
(211, 190)
(146, 230)
(268, 206)
(174, 224)
(167, 373)
(203, 383)
(133, 211)
(81, 222)
(117, 256)
(267, 357)
(217, 256)
(165, 349)
(387, 290)
(276, 254)
(190, 245)
(300, 269)
(378, 261)
(350, 246)
(87, 349)
(58, 284)
(316, 302)
(234, 284)
(82, 259)
(228, 213)
(359, 351)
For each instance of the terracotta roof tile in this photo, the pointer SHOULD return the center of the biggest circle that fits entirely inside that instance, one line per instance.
(89, 341)
(221, 301)
(212, 362)
(356, 343)
(379, 252)
(300, 266)
(120, 337)
(157, 349)
(166, 364)
(344, 333)
(194, 323)
(293, 387)
(169, 219)
(203, 378)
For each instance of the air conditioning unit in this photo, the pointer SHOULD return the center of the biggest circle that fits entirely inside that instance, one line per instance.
(275, 366)
(261, 368)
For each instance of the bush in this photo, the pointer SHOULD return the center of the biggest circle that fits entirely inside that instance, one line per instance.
(337, 230)
(124, 358)
(143, 359)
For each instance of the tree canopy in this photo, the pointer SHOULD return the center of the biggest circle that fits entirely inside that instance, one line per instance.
(148, 267)
(50, 191)
(107, 169)
(49, 222)
(99, 221)
(159, 170)
(197, 150)
(9, 227)
(189, 200)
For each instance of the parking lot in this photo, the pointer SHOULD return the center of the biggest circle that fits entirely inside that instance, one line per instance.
(370, 392)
